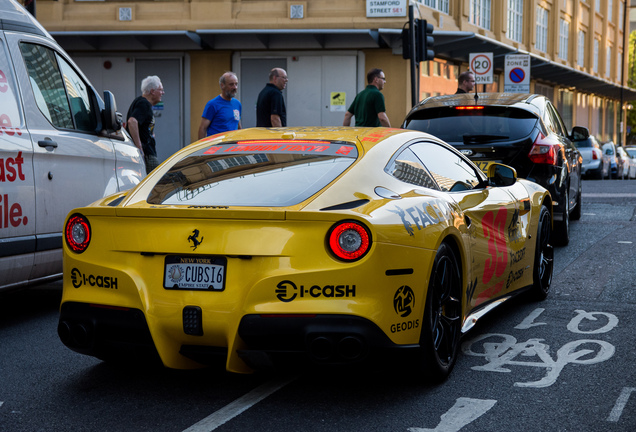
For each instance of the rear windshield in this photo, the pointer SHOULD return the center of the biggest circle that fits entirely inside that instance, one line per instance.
(583, 143)
(473, 124)
(254, 173)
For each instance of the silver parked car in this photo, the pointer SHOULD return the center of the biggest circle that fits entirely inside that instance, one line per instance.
(590, 149)
(629, 162)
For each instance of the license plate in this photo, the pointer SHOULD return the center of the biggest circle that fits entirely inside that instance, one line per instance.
(483, 165)
(206, 273)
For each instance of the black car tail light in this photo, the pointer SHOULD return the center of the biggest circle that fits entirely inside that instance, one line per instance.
(545, 151)
(77, 233)
(349, 240)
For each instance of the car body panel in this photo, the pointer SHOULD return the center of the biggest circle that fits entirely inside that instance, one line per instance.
(277, 260)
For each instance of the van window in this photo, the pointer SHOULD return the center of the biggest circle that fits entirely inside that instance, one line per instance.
(60, 93)
(10, 117)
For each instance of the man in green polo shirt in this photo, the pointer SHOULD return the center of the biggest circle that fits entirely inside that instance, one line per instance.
(368, 106)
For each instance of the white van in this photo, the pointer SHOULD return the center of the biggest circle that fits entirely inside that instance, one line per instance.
(61, 147)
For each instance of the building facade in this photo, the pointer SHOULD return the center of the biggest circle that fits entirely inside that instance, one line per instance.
(576, 49)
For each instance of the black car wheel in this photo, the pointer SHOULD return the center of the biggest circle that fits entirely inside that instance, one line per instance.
(562, 228)
(441, 324)
(543, 258)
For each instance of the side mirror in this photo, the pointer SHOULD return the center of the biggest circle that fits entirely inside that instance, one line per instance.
(501, 175)
(580, 133)
(111, 121)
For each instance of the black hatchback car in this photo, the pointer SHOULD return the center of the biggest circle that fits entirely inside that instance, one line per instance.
(524, 131)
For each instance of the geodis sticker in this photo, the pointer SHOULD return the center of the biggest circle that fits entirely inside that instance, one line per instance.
(403, 304)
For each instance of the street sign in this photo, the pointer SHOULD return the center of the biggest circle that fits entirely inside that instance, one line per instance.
(481, 66)
(517, 73)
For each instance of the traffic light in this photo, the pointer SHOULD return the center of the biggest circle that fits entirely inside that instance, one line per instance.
(406, 43)
(424, 41)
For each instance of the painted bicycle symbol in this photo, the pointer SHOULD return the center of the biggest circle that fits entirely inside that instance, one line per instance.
(502, 350)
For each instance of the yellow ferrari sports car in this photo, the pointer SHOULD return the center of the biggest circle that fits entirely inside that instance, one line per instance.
(317, 245)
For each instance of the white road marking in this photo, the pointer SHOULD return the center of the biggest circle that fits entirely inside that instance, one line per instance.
(589, 214)
(240, 405)
(1, 403)
(529, 321)
(620, 404)
(624, 242)
(464, 411)
(609, 195)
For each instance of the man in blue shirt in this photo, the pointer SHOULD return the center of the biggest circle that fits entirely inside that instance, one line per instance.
(223, 113)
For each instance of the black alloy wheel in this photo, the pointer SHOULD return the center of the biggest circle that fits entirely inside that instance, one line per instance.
(543, 257)
(441, 326)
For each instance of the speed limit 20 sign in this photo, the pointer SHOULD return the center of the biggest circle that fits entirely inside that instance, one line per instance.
(481, 66)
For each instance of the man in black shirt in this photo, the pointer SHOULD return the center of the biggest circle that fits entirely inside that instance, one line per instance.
(140, 122)
(270, 105)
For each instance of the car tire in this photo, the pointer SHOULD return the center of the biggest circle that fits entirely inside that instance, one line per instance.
(543, 258)
(441, 323)
(561, 231)
(599, 174)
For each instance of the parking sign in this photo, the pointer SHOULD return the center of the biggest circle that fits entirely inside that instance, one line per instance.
(517, 73)
(481, 67)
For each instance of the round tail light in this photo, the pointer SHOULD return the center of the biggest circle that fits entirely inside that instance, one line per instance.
(349, 240)
(77, 233)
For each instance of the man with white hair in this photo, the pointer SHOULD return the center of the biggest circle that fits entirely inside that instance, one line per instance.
(140, 122)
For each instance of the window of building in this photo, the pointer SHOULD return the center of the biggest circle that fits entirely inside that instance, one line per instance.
(621, 11)
(580, 56)
(610, 9)
(596, 55)
(435, 67)
(480, 13)
(608, 61)
(566, 107)
(564, 32)
(597, 6)
(440, 5)
(542, 29)
(424, 69)
(545, 90)
(619, 67)
(515, 20)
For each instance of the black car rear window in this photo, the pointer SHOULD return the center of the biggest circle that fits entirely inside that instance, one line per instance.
(473, 124)
(254, 173)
